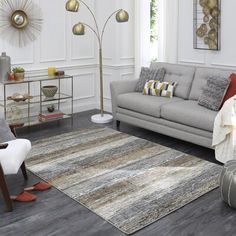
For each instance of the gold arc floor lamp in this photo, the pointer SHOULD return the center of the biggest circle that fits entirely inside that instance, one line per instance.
(79, 29)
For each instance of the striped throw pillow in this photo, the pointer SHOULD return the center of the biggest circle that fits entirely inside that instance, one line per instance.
(161, 89)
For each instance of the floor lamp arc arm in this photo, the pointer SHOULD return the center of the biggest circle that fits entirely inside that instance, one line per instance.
(105, 24)
(94, 18)
(94, 31)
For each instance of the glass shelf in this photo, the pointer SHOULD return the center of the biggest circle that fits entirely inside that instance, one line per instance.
(63, 99)
(29, 79)
(34, 120)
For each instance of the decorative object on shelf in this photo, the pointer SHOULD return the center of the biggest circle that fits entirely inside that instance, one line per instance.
(17, 97)
(5, 66)
(46, 116)
(51, 71)
(51, 108)
(228, 183)
(49, 91)
(11, 76)
(20, 21)
(14, 115)
(79, 29)
(19, 73)
(207, 24)
(59, 73)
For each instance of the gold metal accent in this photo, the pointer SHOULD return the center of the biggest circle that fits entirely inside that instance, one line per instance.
(19, 19)
(212, 44)
(204, 28)
(206, 40)
(206, 10)
(212, 34)
(213, 23)
(206, 19)
(212, 3)
(203, 3)
(122, 16)
(215, 12)
(72, 5)
(79, 29)
(200, 32)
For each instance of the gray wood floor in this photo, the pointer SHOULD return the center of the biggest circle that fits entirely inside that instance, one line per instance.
(56, 214)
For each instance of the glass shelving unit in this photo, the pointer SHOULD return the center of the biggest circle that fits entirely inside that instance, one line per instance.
(26, 113)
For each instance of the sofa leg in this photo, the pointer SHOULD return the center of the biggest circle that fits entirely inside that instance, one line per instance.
(5, 191)
(118, 124)
(23, 169)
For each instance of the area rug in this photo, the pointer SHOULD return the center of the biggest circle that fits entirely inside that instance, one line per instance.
(128, 181)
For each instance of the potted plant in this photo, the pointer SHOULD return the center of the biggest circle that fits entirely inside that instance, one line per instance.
(19, 73)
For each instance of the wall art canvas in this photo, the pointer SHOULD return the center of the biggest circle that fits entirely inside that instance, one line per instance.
(206, 24)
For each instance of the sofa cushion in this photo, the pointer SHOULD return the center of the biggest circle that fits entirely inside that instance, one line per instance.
(213, 94)
(200, 80)
(147, 74)
(189, 113)
(149, 105)
(183, 75)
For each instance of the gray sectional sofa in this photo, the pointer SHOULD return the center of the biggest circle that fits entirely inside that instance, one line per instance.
(179, 117)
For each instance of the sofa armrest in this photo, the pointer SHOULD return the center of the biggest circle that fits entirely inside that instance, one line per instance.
(120, 87)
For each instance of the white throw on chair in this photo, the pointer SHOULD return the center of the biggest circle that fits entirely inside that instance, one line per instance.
(11, 160)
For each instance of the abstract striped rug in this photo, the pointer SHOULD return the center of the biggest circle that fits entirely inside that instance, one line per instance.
(128, 181)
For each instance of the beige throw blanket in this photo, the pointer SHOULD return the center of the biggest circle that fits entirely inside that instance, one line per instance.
(224, 133)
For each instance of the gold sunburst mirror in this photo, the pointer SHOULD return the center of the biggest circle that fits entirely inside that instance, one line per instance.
(20, 21)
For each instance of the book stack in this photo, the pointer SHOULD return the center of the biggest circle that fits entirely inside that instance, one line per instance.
(47, 116)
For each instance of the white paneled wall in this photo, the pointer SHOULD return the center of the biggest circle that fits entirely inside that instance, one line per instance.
(78, 55)
(186, 54)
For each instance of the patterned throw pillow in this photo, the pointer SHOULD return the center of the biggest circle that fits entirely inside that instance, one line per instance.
(147, 74)
(214, 92)
(157, 88)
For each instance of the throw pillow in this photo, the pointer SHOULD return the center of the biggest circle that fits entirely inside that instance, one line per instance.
(147, 74)
(214, 92)
(232, 88)
(157, 88)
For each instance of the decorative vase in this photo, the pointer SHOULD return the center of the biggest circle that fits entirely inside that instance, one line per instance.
(49, 91)
(5, 66)
(228, 183)
(19, 76)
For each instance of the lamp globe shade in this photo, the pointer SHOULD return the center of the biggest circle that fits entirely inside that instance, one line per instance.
(78, 29)
(122, 16)
(72, 5)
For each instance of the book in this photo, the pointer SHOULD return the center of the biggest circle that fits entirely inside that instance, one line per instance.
(51, 115)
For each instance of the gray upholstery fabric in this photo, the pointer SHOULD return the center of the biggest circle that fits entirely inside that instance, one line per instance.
(200, 79)
(120, 87)
(183, 75)
(167, 130)
(214, 92)
(147, 74)
(164, 122)
(149, 105)
(189, 113)
(5, 132)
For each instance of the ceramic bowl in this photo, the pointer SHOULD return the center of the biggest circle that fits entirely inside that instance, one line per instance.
(49, 91)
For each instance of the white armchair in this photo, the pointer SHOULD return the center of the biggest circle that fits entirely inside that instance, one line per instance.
(11, 159)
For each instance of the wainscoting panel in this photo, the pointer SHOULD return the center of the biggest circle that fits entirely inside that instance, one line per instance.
(84, 86)
(53, 35)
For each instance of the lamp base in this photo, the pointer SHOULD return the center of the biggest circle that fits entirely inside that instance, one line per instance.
(99, 119)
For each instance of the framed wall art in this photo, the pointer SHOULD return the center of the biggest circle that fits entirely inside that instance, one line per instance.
(206, 24)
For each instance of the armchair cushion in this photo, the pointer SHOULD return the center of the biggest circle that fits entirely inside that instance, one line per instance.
(14, 155)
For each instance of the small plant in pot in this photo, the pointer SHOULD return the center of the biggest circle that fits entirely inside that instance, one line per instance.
(19, 73)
